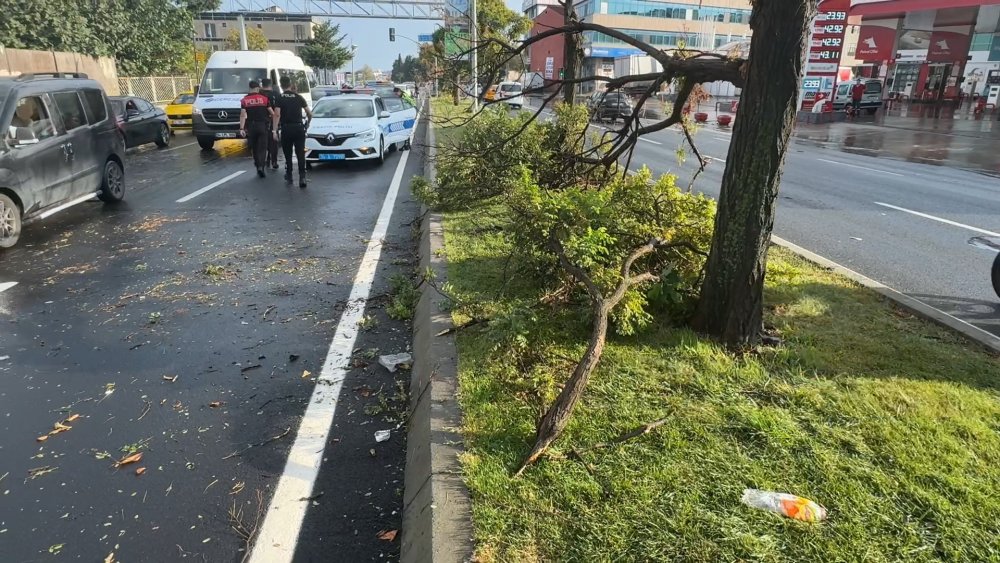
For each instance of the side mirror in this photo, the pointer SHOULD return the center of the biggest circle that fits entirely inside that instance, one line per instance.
(384, 115)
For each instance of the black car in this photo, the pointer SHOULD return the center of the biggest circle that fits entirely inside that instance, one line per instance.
(141, 122)
(59, 146)
(611, 105)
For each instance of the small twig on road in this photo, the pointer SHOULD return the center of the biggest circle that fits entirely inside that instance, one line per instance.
(244, 530)
(145, 410)
(259, 444)
(266, 311)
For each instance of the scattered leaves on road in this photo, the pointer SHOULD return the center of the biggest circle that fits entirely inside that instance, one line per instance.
(215, 404)
(140, 470)
(306, 373)
(388, 535)
(39, 471)
(134, 458)
(55, 549)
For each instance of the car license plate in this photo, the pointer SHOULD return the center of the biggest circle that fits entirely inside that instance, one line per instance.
(332, 157)
(180, 122)
(225, 135)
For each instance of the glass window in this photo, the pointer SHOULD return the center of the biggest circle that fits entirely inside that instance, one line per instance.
(70, 109)
(343, 108)
(144, 106)
(97, 111)
(210, 31)
(393, 104)
(184, 99)
(31, 122)
(300, 31)
(230, 80)
(981, 42)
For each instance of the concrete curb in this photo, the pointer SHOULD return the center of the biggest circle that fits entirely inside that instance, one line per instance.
(437, 513)
(914, 306)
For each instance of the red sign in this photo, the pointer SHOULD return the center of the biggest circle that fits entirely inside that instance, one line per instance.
(877, 40)
(828, 38)
(949, 44)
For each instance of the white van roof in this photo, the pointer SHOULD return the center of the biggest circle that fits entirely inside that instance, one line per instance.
(253, 59)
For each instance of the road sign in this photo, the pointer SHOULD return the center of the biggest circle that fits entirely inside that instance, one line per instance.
(199, 56)
(425, 38)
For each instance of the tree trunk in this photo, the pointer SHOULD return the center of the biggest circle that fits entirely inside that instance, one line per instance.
(570, 62)
(556, 418)
(731, 303)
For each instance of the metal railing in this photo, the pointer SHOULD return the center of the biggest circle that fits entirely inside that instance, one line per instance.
(156, 89)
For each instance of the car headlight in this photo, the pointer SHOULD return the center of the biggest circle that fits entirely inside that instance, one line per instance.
(195, 111)
(368, 135)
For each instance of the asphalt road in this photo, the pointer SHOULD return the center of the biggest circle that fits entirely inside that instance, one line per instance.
(867, 198)
(194, 332)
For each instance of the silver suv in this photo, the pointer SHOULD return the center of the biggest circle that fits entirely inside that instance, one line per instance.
(59, 146)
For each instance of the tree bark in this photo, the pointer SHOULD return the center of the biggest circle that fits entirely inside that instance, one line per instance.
(570, 63)
(731, 303)
(557, 416)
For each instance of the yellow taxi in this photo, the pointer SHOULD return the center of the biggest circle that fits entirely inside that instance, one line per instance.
(179, 111)
(491, 93)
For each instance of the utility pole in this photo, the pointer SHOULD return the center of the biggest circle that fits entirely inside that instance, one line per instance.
(474, 35)
(570, 61)
(243, 34)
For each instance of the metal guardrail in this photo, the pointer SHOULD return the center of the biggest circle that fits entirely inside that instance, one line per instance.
(396, 9)
(156, 89)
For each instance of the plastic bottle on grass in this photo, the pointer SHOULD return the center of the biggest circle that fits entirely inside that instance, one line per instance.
(787, 505)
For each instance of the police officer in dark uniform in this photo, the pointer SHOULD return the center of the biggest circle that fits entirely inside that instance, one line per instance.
(272, 143)
(255, 114)
(288, 112)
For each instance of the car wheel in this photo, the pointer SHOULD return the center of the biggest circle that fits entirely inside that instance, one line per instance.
(206, 143)
(995, 273)
(163, 137)
(381, 152)
(113, 184)
(10, 222)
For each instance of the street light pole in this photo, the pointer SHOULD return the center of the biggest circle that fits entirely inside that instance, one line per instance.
(243, 34)
(475, 53)
(354, 77)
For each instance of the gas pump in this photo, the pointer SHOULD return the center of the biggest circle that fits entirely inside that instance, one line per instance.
(992, 94)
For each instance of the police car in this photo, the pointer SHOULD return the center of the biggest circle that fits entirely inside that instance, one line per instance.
(358, 127)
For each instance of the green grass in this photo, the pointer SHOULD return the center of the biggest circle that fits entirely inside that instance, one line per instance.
(889, 422)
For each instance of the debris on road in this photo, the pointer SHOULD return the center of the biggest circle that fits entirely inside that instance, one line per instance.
(170, 378)
(39, 471)
(388, 535)
(382, 435)
(788, 505)
(140, 471)
(392, 362)
(4, 358)
(215, 404)
(133, 458)
(306, 373)
(293, 357)
(259, 444)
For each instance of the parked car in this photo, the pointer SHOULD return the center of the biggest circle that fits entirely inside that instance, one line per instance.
(491, 93)
(179, 111)
(871, 100)
(613, 106)
(59, 147)
(140, 121)
(356, 127)
(510, 94)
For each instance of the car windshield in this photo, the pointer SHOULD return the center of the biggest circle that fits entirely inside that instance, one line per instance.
(510, 87)
(230, 80)
(393, 104)
(118, 105)
(184, 99)
(341, 108)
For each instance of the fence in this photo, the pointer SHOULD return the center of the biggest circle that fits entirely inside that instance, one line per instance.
(156, 89)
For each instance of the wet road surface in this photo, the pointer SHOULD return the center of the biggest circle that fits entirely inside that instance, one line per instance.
(898, 206)
(193, 332)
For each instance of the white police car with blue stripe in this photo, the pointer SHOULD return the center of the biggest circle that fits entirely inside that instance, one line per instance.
(358, 127)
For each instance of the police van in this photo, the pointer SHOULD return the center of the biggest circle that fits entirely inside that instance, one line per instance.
(216, 112)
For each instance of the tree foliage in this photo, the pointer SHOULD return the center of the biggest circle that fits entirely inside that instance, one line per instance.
(143, 36)
(406, 70)
(256, 40)
(326, 49)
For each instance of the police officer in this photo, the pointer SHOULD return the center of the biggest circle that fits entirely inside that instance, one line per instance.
(288, 113)
(255, 113)
(272, 143)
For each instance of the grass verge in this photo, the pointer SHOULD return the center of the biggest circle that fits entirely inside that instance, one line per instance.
(888, 421)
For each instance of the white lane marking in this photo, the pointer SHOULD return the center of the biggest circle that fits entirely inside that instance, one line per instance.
(179, 147)
(4, 286)
(940, 220)
(67, 205)
(722, 160)
(860, 167)
(279, 534)
(211, 186)
(650, 141)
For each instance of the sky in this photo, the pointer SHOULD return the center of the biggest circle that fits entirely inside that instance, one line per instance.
(371, 35)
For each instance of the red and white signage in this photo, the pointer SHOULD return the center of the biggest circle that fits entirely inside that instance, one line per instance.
(827, 42)
(877, 40)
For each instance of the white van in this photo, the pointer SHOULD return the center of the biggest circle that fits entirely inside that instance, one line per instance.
(227, 77)
(510, 93)
(871, 100)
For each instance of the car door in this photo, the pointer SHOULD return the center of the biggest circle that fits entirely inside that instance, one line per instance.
(40, 157)
(132, 123)
(79, 144)
(383, 122)
(148, 122)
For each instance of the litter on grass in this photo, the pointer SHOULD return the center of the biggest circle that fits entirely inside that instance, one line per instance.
(788, 505)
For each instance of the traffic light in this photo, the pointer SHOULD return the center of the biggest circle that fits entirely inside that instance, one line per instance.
(562, 73)
(392, 34)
